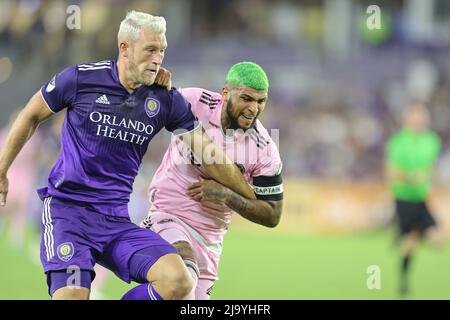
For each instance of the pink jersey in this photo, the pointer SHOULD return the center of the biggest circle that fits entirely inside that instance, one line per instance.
(254, 152)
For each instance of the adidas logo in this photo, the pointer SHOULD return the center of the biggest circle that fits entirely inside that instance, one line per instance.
(102, 99)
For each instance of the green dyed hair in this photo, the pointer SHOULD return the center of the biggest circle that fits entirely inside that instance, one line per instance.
(248, 74)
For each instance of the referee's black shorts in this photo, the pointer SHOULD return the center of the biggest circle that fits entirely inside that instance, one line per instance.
(413, 216)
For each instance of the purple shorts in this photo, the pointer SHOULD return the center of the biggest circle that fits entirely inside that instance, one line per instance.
(74, 235)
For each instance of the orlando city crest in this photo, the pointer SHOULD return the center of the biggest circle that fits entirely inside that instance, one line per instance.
(65, 251)
(152, 107)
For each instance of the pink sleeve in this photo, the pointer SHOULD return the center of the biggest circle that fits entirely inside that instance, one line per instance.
(267, 180)
(192, 95)
(269, 161)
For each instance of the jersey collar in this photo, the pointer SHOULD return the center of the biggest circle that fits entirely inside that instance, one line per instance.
(216, 118)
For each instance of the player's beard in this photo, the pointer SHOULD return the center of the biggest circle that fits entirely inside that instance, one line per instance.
(234, 124)
(147, 81)
(140, 76)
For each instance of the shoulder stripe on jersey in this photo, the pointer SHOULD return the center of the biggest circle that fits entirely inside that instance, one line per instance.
(210, 103)
(256, 130)
(259, 135)
(257, 139)
(103, 62)
(93, 68)
(95, 64)
(258, 144)
(208, 97)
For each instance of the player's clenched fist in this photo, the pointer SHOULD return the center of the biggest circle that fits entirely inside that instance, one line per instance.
(3, 189)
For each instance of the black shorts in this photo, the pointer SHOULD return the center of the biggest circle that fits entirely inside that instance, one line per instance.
(413, 216)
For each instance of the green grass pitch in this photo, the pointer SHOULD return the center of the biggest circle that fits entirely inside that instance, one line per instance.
(270, 264)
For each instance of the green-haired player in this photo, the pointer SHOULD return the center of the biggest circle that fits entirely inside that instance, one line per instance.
(245, 92)
(411, 155)
(190, 210)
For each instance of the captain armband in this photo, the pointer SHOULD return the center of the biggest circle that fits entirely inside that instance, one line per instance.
(268, 188)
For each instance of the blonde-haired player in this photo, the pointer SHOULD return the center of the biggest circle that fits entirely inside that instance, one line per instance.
(113, 111)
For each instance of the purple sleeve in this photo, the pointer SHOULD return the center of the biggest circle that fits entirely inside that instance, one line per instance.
(180, 115)
(60, 92)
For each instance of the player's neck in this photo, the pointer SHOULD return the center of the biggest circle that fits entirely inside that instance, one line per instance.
(124, 77)
(224, 120)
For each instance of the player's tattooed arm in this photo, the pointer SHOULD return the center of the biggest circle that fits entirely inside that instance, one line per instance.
(216, 163)
(21, 131)
(263, 212)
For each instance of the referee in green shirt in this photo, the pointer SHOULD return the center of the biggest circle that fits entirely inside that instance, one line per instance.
(411, 155)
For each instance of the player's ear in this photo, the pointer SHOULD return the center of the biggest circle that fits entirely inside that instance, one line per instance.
(225, 92)
(123, 49)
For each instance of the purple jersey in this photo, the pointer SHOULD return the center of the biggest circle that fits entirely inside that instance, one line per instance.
(106, 133)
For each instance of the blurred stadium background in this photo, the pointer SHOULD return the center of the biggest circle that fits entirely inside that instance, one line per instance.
(337, 91)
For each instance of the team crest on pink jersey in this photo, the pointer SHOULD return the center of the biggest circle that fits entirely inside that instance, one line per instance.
(152, 107)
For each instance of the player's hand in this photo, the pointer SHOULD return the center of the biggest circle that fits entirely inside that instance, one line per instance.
(164, 78)
(208, 190)
(3, 189)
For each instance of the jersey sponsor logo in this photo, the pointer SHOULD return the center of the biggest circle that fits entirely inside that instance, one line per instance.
(51, 85)
(65, 251)
(152, 107)
(102, 100)
(265, 191)
(112, 127)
